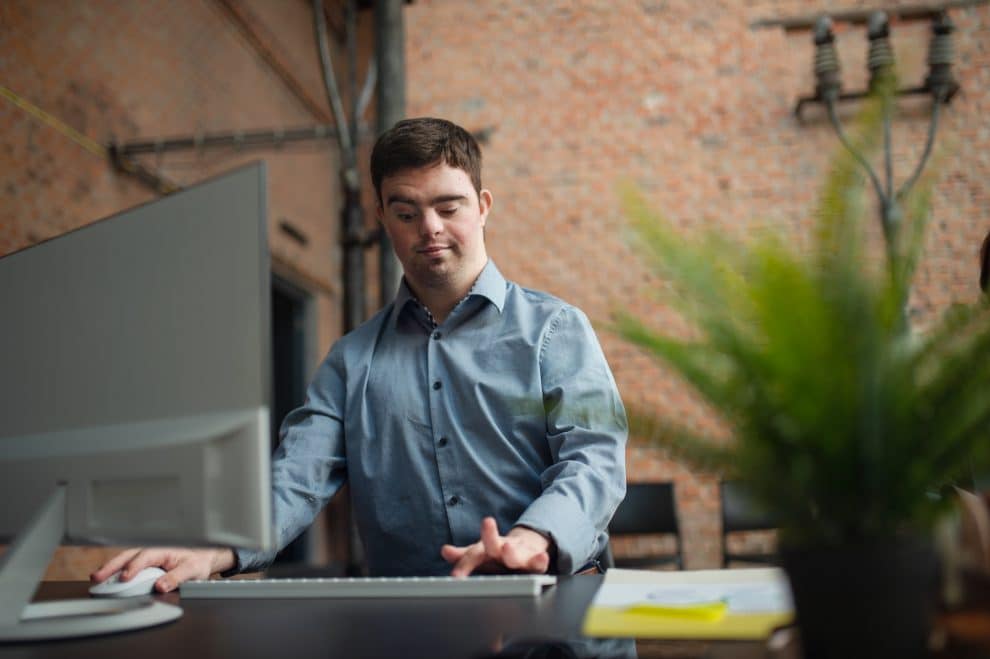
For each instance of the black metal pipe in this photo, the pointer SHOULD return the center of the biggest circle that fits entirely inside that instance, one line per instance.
(352, 216)
(905, 13)
(929, 141)
(853, 96)
(390, 53)
(228, 139)
(125, 164)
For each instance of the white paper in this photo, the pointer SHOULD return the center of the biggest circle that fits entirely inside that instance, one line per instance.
(745, 591)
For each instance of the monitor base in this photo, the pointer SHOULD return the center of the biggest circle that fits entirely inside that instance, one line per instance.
(73, 618)
(21, 569)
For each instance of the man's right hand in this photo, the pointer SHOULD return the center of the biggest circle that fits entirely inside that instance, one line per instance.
(180, 564)
(520, 550)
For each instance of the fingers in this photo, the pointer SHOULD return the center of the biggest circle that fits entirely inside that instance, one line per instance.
(515, 556)
(452, 554)
(523, 558)
(190, 567)
(145, 558)
(486, 550)
(186, 564)
(128, 563)
(526, 550)
(115, 564)
(522, 550)
(180, 565)
(490, 539)
(473, 558)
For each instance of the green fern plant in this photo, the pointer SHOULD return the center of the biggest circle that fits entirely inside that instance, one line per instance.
(844, 422)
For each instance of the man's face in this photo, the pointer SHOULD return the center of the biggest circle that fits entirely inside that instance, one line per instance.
(435, 220)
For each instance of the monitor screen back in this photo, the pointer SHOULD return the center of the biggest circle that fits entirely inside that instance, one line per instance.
(157, 312)
(134, 370)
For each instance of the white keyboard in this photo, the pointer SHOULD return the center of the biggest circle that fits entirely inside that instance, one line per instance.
(503, 585)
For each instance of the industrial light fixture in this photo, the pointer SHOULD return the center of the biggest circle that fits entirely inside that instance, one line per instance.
(939, 84)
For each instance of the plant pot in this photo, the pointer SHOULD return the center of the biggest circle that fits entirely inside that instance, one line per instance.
(872, 600)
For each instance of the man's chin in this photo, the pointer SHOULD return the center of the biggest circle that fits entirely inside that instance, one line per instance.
(434, 275)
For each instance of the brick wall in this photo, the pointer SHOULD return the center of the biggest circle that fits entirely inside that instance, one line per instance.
(683, 98)
(679, 96)
(160, 68)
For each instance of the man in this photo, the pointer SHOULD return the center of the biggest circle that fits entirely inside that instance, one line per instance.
(467, 408)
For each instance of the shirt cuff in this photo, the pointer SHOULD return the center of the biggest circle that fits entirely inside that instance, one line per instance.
(236, 568)
(558, 517)
(249, 561)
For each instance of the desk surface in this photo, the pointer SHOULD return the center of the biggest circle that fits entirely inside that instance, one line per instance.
(435, 628)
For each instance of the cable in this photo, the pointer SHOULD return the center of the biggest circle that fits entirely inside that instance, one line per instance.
(56, 123)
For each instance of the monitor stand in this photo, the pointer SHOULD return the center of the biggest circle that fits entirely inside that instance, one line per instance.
(22, 568)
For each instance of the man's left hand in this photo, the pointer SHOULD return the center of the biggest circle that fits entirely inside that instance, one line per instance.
(521, 550)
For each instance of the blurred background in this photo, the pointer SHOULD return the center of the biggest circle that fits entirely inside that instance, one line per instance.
(108, 104)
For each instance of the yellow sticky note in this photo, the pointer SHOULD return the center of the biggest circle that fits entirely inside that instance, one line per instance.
(709, 611)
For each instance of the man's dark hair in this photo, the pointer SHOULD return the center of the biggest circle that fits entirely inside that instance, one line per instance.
(422, 142)
(985, 264)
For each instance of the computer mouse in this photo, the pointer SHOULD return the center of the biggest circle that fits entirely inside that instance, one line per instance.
(143, 583)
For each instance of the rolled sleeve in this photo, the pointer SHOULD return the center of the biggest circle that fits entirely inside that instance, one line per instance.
(586, 433)
(308, 467)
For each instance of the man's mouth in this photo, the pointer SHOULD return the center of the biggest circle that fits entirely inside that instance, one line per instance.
(431, 250)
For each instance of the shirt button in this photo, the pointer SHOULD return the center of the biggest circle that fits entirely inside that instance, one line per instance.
(442, 441)
(453, 500)
(437, 335)
(437, 385)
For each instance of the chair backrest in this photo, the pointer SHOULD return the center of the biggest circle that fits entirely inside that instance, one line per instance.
(649, 508)
(741, 513)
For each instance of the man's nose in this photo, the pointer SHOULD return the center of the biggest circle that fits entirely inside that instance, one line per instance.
(432, 223)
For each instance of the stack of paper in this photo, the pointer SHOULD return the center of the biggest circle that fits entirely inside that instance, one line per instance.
(698, 604)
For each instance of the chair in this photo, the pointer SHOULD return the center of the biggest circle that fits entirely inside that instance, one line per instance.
(739, 514)
(649, 508)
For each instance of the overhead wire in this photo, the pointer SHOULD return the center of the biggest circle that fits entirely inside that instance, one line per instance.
(54, 122)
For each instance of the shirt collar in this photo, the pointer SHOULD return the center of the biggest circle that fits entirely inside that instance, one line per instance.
(490, 284)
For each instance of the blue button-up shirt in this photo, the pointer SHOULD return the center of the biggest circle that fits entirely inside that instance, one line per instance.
(507, 408)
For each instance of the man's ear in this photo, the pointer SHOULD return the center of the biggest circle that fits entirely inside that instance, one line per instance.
(485, 201)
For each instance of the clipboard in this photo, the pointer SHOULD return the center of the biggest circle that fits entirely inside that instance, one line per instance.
(741, 604)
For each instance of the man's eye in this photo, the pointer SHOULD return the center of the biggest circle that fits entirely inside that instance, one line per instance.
(405, 217)
(447, 211)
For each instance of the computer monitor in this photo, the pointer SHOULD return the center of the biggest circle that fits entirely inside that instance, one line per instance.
(134, 394)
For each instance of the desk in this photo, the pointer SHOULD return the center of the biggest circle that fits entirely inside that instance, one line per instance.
(298, 629)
